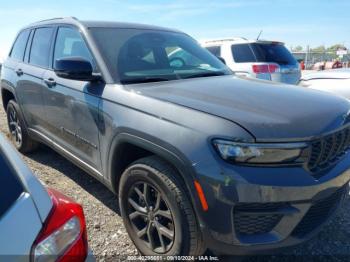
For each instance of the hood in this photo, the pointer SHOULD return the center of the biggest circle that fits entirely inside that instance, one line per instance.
(270, 111)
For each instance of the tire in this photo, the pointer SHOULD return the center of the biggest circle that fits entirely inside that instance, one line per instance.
(18, 130)
(157, 178)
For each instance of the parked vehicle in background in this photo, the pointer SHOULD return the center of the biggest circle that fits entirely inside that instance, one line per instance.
(324, 65)
(333, 65)
(36, 224)
(268, 60)
(336, 81)
(199, 158)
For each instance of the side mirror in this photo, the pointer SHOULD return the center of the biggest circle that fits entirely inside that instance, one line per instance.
(221, 59)
(75, 68)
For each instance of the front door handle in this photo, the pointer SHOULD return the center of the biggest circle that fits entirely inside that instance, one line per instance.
(50, 82)
(19, 72)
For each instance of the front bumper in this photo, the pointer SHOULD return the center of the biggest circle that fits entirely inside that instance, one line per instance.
(246, 217)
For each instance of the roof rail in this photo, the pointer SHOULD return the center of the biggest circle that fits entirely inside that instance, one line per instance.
(57, 18)
(226, 39)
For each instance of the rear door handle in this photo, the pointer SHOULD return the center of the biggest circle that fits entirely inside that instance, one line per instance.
(19, 72)
(50, 82)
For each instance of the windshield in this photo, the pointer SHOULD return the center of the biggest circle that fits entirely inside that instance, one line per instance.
(261, 52)
(139, 56)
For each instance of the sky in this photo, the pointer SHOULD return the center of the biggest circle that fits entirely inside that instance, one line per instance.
(295, 22)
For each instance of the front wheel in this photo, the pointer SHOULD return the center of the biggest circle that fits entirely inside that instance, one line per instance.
(156, 211)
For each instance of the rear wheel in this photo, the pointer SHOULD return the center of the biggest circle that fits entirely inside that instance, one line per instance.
(156, 211)
(18, 131)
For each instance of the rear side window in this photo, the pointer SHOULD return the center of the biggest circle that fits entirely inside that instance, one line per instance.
(10, 187)
(242, 53)
(215, 50)
(69, 42)
(20, 46)
(41, 43)
(274, 53)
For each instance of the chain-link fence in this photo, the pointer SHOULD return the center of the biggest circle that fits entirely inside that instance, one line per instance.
(317, 60)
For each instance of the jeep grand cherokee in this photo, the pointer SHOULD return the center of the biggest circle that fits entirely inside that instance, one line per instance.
(199, 158)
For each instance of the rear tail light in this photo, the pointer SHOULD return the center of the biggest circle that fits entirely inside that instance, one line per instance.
(273, 68)
(63, 237)
(265, 68)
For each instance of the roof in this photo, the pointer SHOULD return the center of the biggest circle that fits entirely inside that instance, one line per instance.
(342, 73)
(125, 25)
(104, 24)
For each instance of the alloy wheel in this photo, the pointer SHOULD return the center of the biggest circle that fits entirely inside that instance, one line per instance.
(150, 217)
(15, 127)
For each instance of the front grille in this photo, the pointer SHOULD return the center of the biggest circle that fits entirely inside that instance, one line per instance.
(318, 213)
(254, 218)
(327, 150)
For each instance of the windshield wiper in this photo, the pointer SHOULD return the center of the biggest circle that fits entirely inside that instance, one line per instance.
(206, 74)
(143, 80)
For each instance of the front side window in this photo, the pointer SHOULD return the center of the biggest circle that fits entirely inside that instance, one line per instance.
(69, 43)
(140, 55)
(20, 45)
(40, 51)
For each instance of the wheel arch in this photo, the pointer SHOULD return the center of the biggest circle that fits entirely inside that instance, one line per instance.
(151, 146)
(7, 95)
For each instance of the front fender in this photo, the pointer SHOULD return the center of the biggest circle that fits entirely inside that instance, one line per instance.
(161, 149)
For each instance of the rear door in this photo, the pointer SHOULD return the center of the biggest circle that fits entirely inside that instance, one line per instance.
(72, 106)
(19, 221)
(30, 86)
(11, 71)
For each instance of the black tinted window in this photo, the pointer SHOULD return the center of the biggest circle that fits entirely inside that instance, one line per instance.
(69, 42)
(40, 51)
(242, 53)
(275, 53)
(215, 50)
(10, 187)
(20, 45)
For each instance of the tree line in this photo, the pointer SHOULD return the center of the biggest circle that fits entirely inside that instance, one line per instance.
(320, 49)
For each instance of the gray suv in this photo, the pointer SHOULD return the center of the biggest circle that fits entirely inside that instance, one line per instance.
(199, 158)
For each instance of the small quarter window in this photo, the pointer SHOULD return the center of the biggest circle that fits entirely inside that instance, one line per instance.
(20, 46)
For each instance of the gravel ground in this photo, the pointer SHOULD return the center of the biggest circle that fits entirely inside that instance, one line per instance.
(108, 238)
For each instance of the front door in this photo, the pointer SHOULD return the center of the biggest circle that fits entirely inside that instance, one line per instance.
(72, 106)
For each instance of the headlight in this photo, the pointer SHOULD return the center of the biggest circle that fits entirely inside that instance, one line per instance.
(287, 153)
